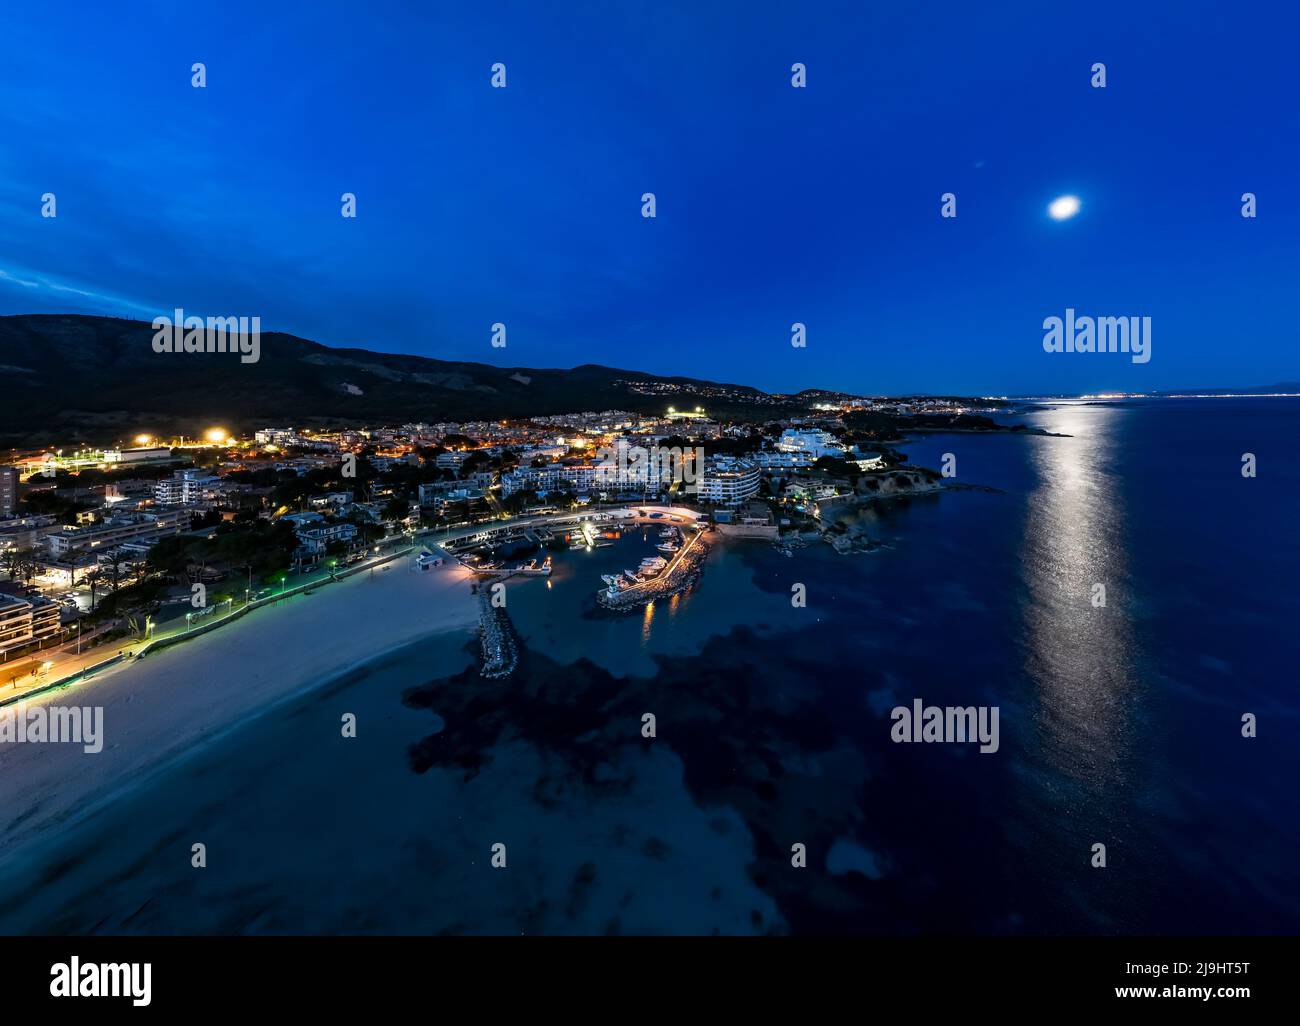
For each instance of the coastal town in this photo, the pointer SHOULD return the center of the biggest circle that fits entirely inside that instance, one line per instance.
(107, 551)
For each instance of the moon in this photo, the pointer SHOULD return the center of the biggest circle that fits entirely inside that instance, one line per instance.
(1063, 208)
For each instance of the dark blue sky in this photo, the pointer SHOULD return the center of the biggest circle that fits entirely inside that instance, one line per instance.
(775, 204)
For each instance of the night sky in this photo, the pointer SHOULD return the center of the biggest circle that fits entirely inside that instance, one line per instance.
(775, 204)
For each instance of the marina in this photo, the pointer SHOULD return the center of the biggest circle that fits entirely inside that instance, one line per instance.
(658, 576)
(492, 568)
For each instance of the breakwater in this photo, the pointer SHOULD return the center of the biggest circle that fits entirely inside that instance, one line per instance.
(680, 575)
(497, 642)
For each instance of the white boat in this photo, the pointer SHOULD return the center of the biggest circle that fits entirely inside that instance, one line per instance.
(668, 547)
(651, 565)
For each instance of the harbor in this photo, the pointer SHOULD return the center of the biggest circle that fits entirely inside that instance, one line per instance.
(676, 569)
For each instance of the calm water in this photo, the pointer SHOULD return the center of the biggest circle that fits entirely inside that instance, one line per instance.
(1119, 725)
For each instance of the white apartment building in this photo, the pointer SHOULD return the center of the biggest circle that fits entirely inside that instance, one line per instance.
(451, 460)
(622, 471)
(784, 461)
(811, 441)
(315, 533)
(867, 460)
(25, 620)
(577, 477)
(25, 532)
(8, 490)
(729, 481)
(275, 436)
(183, 488)
(114, 530)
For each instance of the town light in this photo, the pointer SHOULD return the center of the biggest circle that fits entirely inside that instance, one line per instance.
(217, 435)
(143, 439)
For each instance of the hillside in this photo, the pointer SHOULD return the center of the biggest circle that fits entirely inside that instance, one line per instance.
(67, 378)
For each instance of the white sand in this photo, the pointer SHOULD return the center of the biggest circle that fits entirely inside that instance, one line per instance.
(175, 699)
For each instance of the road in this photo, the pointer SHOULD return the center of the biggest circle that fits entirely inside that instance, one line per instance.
(17, 678)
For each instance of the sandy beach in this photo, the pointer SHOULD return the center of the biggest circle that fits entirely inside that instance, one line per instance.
(176, 699)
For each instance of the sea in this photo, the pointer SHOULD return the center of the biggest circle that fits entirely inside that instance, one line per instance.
(723, 762)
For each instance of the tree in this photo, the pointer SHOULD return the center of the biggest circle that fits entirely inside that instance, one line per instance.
(520, 501)
(95, 578)
(170, 555)
(12, 560)
(397, 508)
(115, 564)
(28, 567)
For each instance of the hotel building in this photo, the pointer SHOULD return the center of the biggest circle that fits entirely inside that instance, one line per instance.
(26, 620)
(728, 481)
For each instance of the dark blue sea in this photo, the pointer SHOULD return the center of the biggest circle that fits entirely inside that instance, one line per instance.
(1120, 725)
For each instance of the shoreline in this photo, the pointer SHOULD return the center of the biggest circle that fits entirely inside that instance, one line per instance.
(161, 710)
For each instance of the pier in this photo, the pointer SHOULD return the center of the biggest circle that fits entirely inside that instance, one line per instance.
(681, 573)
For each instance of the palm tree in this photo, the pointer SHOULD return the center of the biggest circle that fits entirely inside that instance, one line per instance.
(115, 564)
(95, 578)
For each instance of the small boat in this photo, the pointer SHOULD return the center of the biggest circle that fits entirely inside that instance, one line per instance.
(651, 565)
(668, 547)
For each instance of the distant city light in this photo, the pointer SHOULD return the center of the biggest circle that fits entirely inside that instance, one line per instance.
(143, 439)
(217, 435)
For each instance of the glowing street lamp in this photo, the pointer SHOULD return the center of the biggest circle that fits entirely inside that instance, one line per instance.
(217, 435)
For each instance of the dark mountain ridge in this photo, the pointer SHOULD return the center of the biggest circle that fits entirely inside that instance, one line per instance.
(94, 379)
